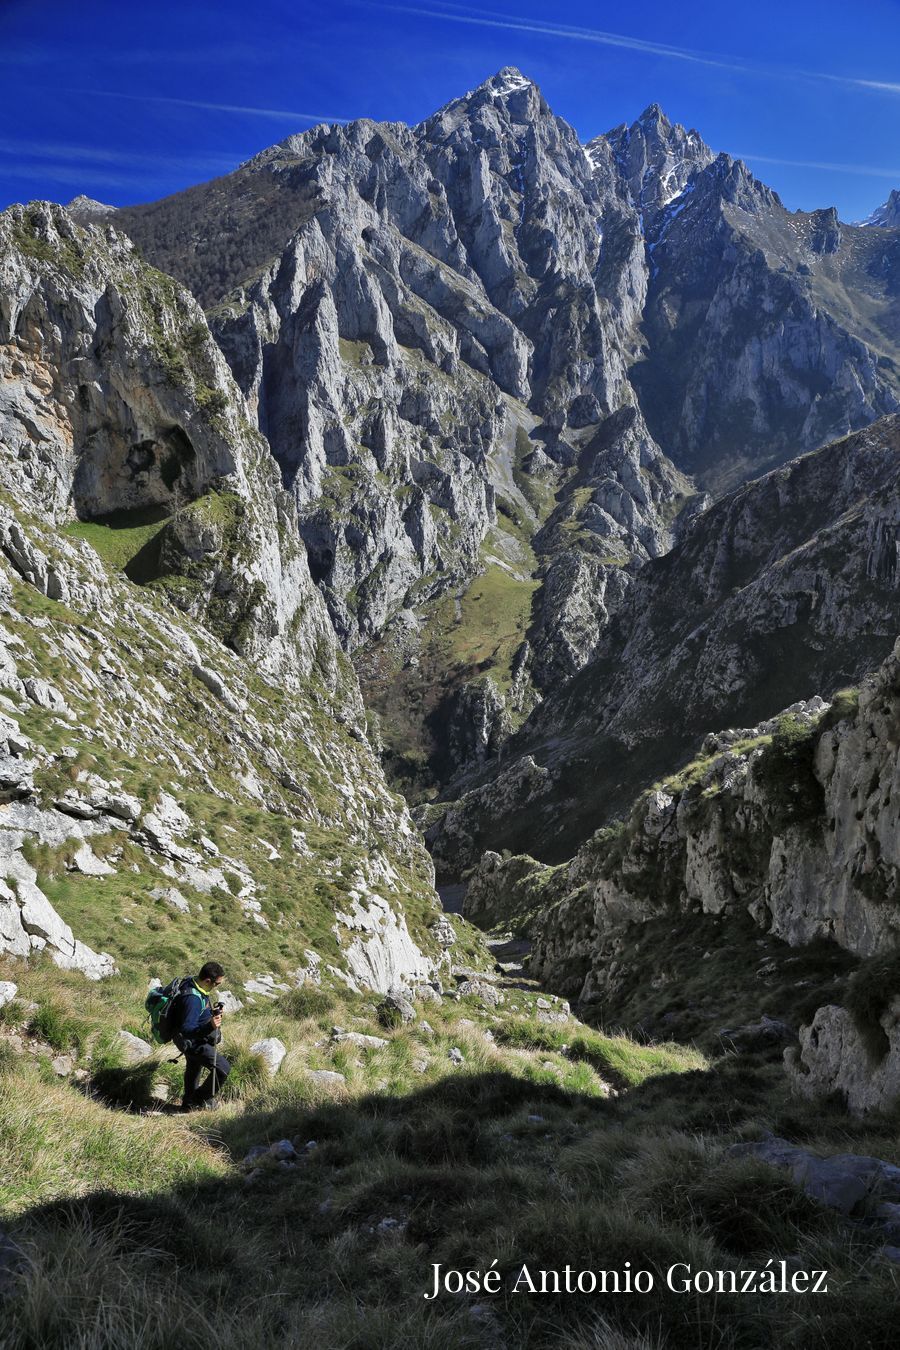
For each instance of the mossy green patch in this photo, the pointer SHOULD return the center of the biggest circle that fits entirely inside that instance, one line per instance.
(126, 540)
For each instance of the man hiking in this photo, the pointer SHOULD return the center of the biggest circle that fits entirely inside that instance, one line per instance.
(198, 1035)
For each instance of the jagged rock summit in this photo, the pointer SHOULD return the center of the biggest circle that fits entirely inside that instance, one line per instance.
(479, 348)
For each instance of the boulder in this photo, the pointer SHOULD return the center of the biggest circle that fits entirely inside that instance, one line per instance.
(761, 1035)
(172, 897)
(480, 989)
(86, 861)
(852, 1184)
(8, 991)
(133, 1049)
(272, 1051)
(395, 1010)
(325, 1076)
(360, 1039)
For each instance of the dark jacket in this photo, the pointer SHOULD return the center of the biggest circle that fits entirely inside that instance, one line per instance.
(192, 1016)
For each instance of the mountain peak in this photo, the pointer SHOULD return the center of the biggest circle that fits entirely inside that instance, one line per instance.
(888, 214)
(653, 114)
(507, 81)
(82, 206)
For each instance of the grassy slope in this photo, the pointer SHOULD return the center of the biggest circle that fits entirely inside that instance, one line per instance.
(466, 636)
(144, 1231)
(141, 719)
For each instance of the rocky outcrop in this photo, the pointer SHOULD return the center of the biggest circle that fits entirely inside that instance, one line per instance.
(835, 1056)
(164, 645)
(790, 822)
(886, 216)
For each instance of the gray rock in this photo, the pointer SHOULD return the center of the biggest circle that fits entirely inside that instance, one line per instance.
(850, 1183)
(486, 993)
(255, 1153)
(172, 897)
(217, 688)
(325, 1076)
(283, 1150)
(396, 1010)
(133, 1049)
(272, 1051)
(86, 861)
(8, 991)
(761, 1035)
(360, 1039)
(455, 1055)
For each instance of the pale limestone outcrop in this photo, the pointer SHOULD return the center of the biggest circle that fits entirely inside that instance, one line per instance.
(834, 1056)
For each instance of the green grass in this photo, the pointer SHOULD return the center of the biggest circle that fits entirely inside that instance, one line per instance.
(494, 613)
(121, 537)
(143, 1232)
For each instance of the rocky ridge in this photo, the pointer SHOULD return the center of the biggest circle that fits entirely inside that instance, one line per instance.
(479, 347)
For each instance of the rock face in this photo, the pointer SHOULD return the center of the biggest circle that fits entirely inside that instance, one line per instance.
(194, 752)
(835, 1056)
(786, 585)
(790, 822)
(117, 405)
(476, 344)
(886, 216)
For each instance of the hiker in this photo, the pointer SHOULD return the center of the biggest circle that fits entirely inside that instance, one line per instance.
(198, 1035)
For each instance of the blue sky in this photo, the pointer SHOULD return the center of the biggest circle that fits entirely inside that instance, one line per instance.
(129, 102)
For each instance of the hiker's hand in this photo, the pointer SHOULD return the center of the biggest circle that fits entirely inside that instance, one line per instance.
(217, 1020)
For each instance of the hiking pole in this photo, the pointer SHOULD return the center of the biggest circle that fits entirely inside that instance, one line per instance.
(215, 1075)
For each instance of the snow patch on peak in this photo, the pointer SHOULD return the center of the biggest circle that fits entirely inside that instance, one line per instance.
(507, 81)
(886, 216)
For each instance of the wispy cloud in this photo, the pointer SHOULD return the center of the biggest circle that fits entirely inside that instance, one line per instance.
(867, 171)
(89, 155)
(280, 114)
(488, 19)
(84, 179)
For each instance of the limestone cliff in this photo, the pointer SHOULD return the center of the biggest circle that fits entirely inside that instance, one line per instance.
(785, 585)
(791, 822)
(183, 756)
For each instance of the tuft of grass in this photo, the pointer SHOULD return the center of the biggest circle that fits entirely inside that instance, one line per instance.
(309, 1000)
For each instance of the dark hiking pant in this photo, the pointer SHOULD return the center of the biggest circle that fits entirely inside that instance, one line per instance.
(195, 1061)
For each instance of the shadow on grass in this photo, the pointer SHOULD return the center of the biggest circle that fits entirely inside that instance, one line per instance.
(337, 1247)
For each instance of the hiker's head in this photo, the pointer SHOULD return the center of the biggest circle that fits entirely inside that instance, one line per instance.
(211, 975)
